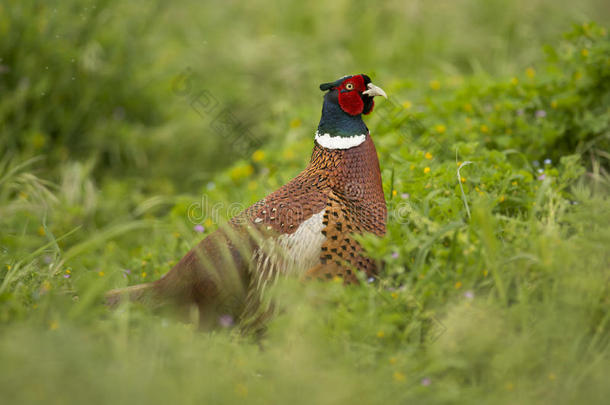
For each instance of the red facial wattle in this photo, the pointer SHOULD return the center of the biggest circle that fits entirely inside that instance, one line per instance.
(350, 101)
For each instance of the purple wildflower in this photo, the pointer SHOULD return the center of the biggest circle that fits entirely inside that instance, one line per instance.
(66, 276)
(199, 228)
(394, 255)
(540, 114)
(547, 161)
(426, 381)
(405, 196)
(225, 321)
(542, 177)
(469, 294)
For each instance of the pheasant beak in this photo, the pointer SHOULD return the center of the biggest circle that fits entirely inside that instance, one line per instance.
(374, 91)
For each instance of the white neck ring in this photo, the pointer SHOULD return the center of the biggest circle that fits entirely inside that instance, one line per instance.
(339, 142)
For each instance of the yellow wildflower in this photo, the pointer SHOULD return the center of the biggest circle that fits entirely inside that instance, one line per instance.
(435, 84)
(394, 192)
(407, 105)
(530, 72)
(240, 172)
(380, 334)
(514, 81)
(584, 52)
(427, 170)
(398, 376)
(440, 128)
(484, 128)
(101, 273)
(428, 155)
(463, 179)
(295, 123)
(41, 231)
(458, 285)
(53, 325)
(144, 274)
(258, 155)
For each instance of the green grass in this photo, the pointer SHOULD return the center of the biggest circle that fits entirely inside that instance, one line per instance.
(495, 288)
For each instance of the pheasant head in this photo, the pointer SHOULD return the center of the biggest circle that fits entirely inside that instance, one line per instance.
(347, 98)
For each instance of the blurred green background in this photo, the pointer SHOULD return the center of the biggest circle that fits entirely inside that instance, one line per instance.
(118, 118)
(95, 79)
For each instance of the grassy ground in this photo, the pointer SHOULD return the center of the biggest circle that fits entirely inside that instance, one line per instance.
(494, 156)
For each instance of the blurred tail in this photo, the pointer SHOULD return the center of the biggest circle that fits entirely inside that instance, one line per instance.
(134, 293)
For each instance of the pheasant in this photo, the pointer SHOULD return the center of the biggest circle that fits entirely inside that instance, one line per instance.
(304, 229)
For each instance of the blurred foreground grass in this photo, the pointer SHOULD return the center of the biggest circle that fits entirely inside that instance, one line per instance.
(496, 285)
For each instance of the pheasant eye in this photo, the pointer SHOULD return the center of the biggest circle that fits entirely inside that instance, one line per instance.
(349, 86)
